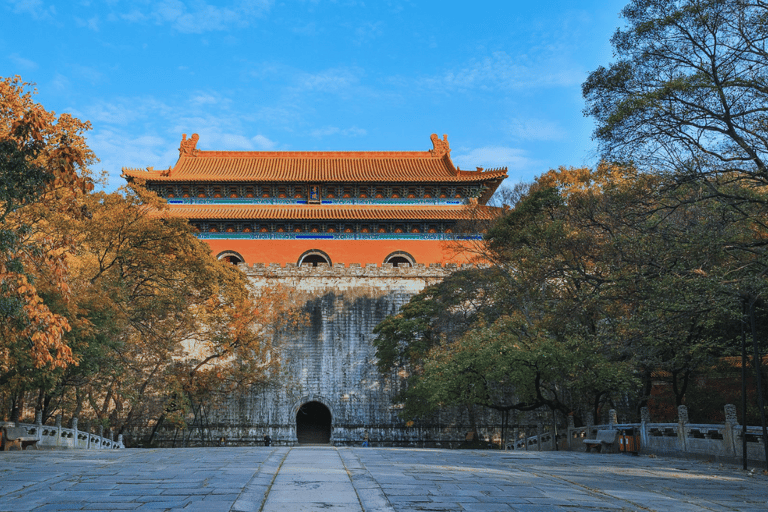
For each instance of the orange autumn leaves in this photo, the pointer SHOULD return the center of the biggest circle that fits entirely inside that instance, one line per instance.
(97, 290)
(44, 169)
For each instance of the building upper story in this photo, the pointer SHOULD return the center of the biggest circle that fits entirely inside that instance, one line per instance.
(280, 206)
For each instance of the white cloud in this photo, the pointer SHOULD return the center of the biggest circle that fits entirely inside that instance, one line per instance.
(326, 131)
(368, 32)
(91, 23)
(35, 8)
(126, 111)
(263, 143)
(503, 71)
(60, 82)
(199, 16)
(332, 80)
(495, 156)
(306, 29)
(88, 73)
(235, 142)
(536, 129)
(205, 98)
(117, 149)
(220, 124)
(23, 63)
(133, 16)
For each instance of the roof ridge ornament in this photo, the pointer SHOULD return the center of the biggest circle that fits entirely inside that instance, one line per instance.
(441, 146)
(187, 146)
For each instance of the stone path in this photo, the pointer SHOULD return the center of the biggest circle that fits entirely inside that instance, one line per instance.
(368, 479)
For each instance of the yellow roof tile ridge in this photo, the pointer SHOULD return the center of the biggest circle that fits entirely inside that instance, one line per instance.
(345, 155)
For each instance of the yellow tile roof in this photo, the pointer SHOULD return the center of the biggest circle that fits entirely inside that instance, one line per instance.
(316, 166)
(333, 212)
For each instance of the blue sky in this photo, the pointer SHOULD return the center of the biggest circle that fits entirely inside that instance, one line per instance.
(501, 78)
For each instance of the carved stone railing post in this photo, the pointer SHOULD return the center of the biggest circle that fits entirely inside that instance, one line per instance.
(682, 421)
(75, 433)
(571, 431)
(539, 435)
(645, 419)
(730, 432)
(101, 437)
(525, 435)
(39, 424)
(120, 440)
(58, 430)
(88, 435)
(589, 423)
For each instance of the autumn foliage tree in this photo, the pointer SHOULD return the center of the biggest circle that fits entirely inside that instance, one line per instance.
(182, 324)
(110, 308)
(43, 172)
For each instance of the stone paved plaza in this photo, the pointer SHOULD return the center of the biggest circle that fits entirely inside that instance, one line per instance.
(371, 479)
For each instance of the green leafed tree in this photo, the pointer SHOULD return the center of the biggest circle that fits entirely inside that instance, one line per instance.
(688, 91)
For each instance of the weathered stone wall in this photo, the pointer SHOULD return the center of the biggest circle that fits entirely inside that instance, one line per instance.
(330, 359)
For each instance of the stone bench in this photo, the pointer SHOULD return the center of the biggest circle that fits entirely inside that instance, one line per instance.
(17, 436)
(604, 439)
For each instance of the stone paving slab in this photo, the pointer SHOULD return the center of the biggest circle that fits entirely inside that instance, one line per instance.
(308, 479)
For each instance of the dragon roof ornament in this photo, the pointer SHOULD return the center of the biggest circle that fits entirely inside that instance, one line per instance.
(441, 147)
(187, 146)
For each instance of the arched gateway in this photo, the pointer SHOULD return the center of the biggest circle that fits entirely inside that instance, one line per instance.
(313, 424)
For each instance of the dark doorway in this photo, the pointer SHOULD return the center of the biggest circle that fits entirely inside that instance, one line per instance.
(313, 424)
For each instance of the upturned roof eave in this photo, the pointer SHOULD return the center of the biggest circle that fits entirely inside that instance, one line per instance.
(325, 212)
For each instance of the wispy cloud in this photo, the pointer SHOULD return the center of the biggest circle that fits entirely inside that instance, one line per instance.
(124, 111)
(117, 149)
(327, 131)
(90, 74)
(368, 31)
(22, 63)
(495, 156)
(197, 17)
(332, 80)
(35, 8)
(263, 143)
(535, 129)
(92, 23)
(220, 124)
(502, 71)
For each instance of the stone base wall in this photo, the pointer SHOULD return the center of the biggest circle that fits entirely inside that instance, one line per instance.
(330, 359)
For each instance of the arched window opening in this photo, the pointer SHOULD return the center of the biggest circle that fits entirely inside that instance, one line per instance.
(400, 259)
(231, 257)
(313, 258)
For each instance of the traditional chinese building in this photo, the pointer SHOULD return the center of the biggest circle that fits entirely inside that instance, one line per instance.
(359, 233)
(325, 207)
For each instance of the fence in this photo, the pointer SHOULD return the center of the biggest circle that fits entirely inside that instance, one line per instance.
(722, 442)
(57, 436)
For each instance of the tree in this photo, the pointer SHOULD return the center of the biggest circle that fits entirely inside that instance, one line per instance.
(43, 167)
(688, 97)
(687, 93)
(532, 324)
(182, 324)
